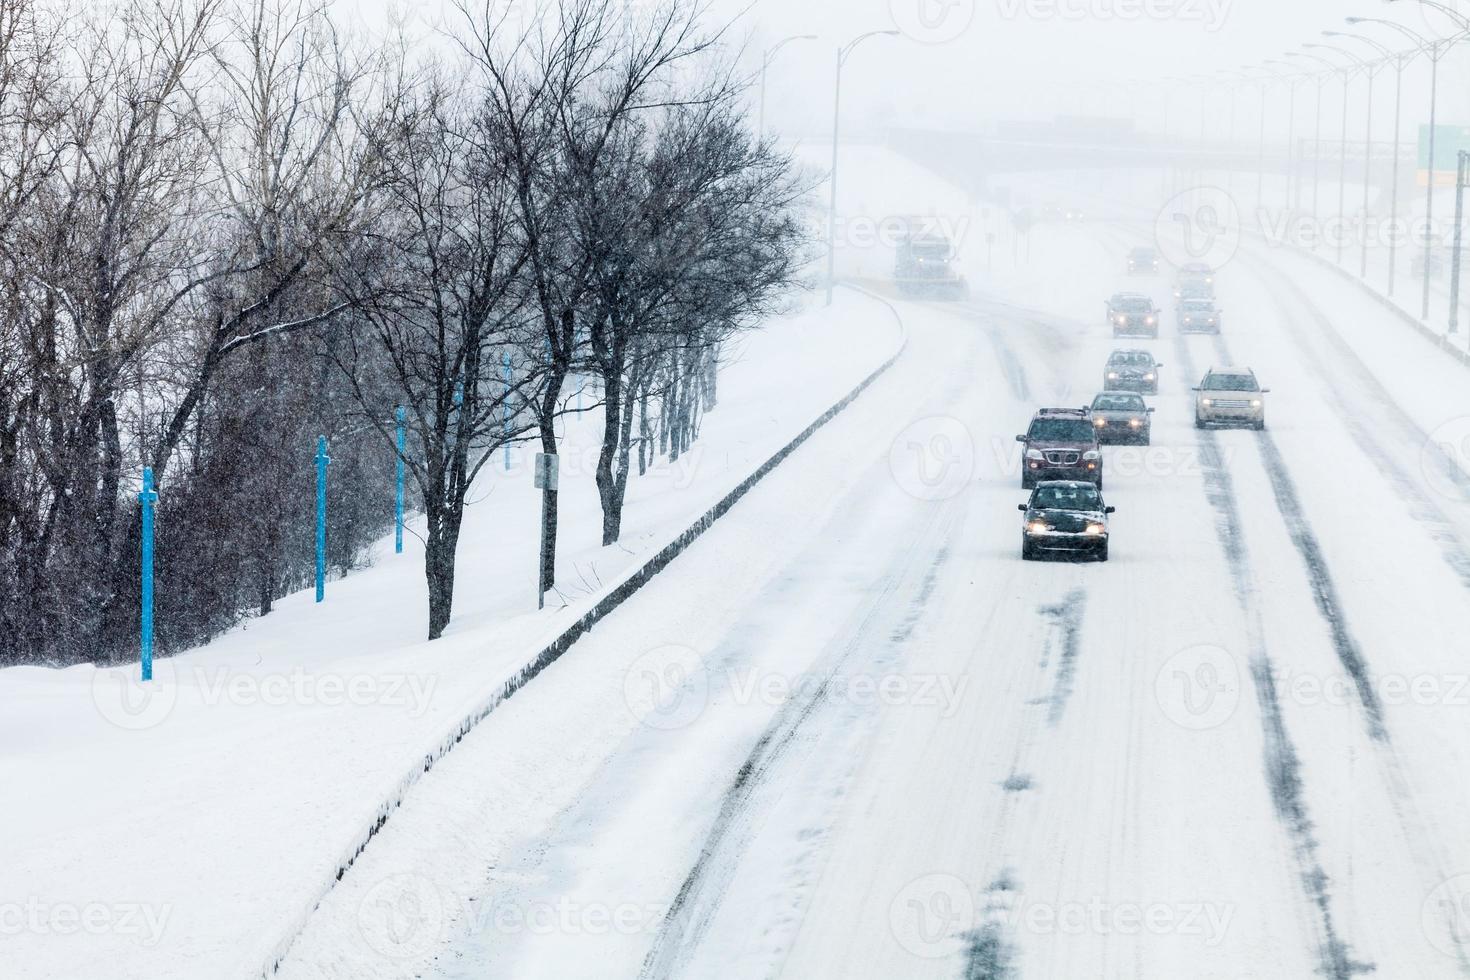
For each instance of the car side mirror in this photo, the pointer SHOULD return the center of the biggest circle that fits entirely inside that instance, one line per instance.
(1157, 366)
(1150, 409)
(1110, 510)
(1196, 388)
(1022, 508)
(1265, 391)
(1020, 438)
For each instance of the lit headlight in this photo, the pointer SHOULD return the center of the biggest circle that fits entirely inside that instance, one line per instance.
(1112, 375)
(1256, 403)
(1037, 527)
(1136, 423)
(1148, 320)
(1096, 529)
(1206, 402)
(1099, 422)
(1148, 377)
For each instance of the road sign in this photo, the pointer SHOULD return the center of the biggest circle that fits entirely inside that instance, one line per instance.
(1448, 142)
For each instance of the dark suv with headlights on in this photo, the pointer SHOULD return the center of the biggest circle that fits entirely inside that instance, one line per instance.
(1132, 370)
(1133, 315)
(1061, 444)
(1121, 416)
(1198, 316)
(1143, 260)
(1065, 517)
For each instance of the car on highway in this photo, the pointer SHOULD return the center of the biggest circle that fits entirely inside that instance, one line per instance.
(1232, 396)
(1061, 444)
(1132, 369)
(1121, 417)
(1198, 316)
(1194, 289)
(1065, 517)
(1143, 260)
(1133, 315)
(1197, 272)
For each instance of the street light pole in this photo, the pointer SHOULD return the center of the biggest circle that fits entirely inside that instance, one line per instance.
(1369, 69)
(1293, 188)
(842, 54)
(766, 60)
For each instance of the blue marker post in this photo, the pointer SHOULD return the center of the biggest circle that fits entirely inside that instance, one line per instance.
(322, 459)
(148, 498)
(505, 407)
(398, 501)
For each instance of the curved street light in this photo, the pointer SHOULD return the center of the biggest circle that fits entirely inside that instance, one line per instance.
(842, 54)
(766, 60)
(1370, 70)
(1435, 50)
(1292, 77)
(1400, 60)
(1321, 79)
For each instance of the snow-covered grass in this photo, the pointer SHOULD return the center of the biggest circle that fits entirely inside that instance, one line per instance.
(185, 829)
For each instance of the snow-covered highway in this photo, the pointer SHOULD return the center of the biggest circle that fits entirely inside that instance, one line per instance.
(858, 737)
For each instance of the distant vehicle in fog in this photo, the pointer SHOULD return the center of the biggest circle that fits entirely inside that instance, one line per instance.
(1195, 272)
(1132, 370)
(1143, 260)
(1198, 316)
(1133, 315)
(1230, 395)
(924, 263)
(1194, 289)
(1121, 417)
(1065, 517)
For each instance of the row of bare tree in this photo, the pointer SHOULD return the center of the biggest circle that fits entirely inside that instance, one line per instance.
(224, 229)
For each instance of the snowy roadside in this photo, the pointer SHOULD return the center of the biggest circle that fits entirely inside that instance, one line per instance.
(182, 831)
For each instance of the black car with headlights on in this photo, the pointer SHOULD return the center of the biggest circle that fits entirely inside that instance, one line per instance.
(1133, 315)
(1061, 444)
(1132, 370)
(1121, 417)
(1066, 517)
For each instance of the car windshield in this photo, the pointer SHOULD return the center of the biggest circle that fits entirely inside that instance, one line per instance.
(1146, 254)
(1117, 403)
(1230, 382)
(1066, 498)
(1133, 304)
(1061, 430)
(1131, 360)
(1199, 306)
(931, 250)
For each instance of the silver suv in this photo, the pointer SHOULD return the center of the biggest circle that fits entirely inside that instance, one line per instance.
(1230, 395)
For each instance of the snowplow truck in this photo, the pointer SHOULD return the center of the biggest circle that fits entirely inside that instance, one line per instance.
(924, 263)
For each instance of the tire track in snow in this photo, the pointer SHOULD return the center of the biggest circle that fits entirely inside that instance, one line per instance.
(699, 897)
(1282, 764)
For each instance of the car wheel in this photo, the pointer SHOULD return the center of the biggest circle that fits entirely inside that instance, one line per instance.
(1028, 553)
(1260, 426)
(1102, 552)
(1199, 423)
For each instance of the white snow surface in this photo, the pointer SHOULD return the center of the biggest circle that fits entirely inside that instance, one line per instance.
(849, 733)
(200, 819)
